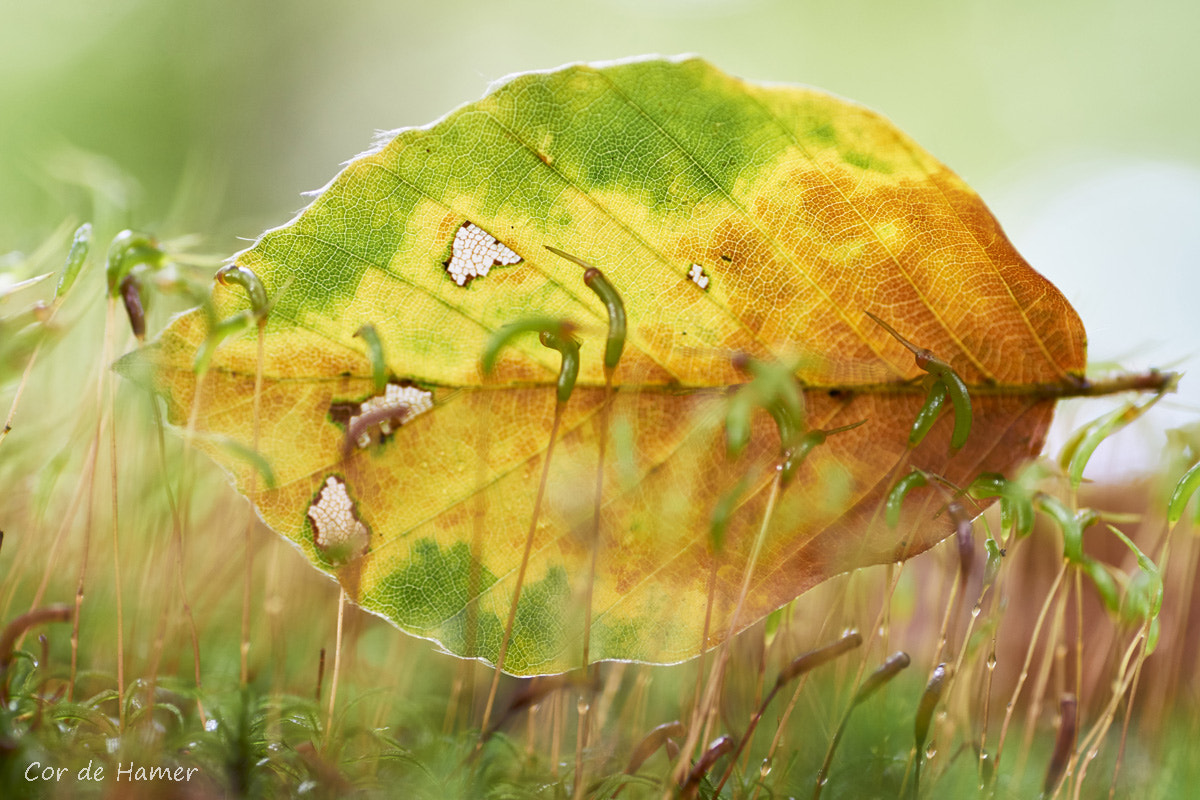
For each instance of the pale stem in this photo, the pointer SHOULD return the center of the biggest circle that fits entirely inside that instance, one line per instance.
(248, 551)
(1043, 679)
(1037, 628)
(1089, 746)
(110, 324)
(718, 670)
(512, 611)
(581, 734)
(337, 664)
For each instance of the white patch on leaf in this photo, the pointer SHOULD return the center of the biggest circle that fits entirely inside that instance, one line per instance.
(698, 277)
(406, 401)
(474, 252)
(336, 527)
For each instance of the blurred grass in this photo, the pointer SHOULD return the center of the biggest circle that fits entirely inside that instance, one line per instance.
(398, 723)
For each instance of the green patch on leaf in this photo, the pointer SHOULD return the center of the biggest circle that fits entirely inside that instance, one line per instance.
(433, 586)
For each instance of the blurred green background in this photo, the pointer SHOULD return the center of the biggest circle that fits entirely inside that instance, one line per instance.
(1075, 120)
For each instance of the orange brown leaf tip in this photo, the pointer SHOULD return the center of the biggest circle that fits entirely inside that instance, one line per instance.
(474, 252)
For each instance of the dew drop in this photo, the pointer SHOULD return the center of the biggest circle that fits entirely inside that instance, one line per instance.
(765, 769)
(975, 611)
(582, 706)
(930, 751)
(991, 662)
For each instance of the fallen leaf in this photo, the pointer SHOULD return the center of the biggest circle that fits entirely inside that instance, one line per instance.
(732, 218)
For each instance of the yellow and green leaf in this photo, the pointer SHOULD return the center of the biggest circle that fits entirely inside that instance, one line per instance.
(731, 218)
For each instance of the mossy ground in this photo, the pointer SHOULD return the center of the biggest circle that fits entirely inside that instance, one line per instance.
(406, 718)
